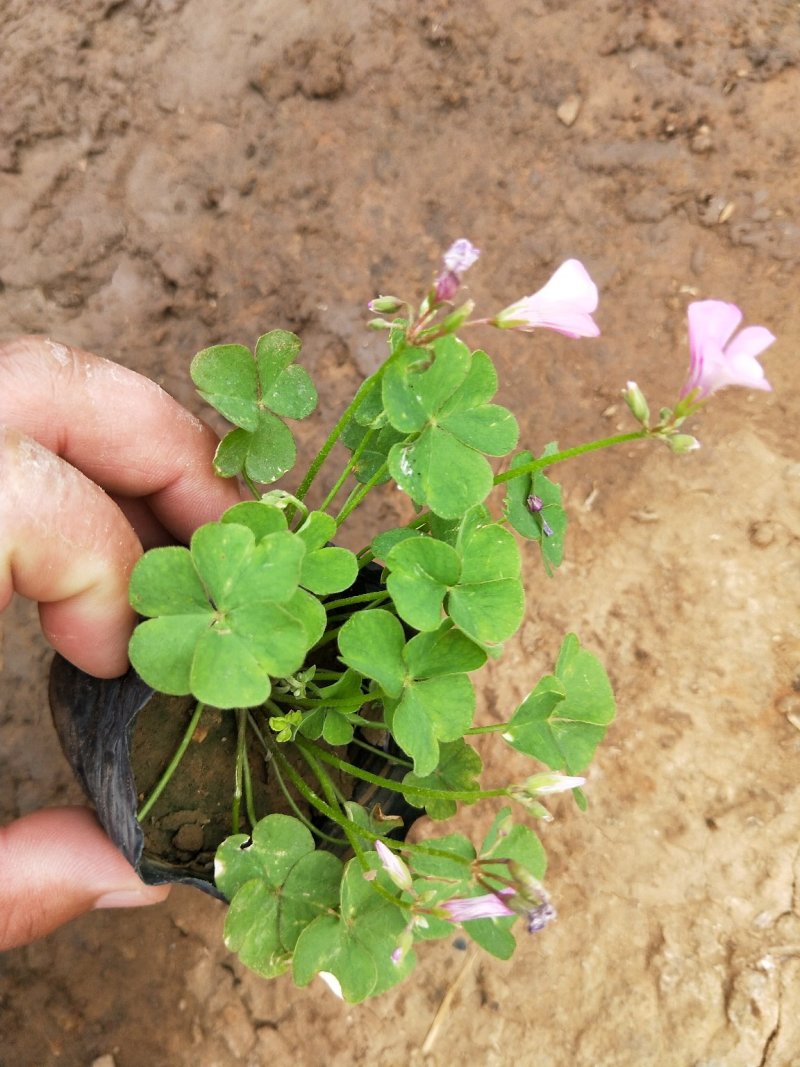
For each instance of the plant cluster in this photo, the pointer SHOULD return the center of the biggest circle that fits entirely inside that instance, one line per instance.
(331, 653)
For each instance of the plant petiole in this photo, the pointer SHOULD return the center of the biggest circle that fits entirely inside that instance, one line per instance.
(568, 453)
(173, 764)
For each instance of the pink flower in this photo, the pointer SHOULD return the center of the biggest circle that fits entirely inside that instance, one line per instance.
(488, 906)
(564, 304)
(718, 358)
(460, 255)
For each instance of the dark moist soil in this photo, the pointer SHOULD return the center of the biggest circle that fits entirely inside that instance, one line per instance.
(175, 173)
(194, 813)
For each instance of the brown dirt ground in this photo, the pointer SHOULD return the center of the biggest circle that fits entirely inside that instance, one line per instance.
(176, 173)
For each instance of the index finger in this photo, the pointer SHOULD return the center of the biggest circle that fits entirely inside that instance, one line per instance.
(117, 427)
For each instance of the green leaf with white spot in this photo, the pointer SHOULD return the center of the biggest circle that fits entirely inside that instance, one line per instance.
(441, 394)
(356, 945)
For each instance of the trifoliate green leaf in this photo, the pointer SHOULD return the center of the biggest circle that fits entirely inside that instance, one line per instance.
(566, 716)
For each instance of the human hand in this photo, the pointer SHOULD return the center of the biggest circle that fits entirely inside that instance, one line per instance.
(95, 462)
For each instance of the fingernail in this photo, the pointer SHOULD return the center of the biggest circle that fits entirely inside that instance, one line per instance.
(130, 898)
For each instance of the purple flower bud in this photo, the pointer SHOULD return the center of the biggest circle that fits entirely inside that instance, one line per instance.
(446, 286)
(535, 505)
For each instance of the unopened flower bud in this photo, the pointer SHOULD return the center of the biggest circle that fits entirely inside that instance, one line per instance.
(540, 785)
(531, 900)
(445, 287)
(394, 867)
(379, 324)
(385, 305)
(634, 398)
(681, 443)
(404, 945)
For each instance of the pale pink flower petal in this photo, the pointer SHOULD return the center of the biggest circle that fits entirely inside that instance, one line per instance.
(394, 867)
(564, 304)
(461, 255)
(488, 906)
(718, 359)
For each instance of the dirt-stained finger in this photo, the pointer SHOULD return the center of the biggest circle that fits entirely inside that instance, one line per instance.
(118, 427)
(65, 544)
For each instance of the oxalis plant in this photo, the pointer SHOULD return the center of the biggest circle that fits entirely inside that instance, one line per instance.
(319, 653)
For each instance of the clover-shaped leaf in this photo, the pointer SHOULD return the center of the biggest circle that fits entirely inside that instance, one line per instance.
(325, 569)
(222, 615)
(489, 601)
(442, 398)
(286, 388)
(566, 716)
(332, 719)
(534, 509)
(356, 945)
(421, 572)
(431, 697)
(252, 394)
(458, 769)
(277, 885)
(478, 581)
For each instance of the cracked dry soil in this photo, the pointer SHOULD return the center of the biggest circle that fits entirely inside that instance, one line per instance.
(174, 173)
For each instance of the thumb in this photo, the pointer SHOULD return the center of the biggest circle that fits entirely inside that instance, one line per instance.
(57, 864)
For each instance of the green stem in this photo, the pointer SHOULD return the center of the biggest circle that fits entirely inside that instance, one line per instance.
(359, 493)
(251, 485)
(349, 466)
(466, 795)
(305, 790)
(398, 760)
(493, 729)
(339, 841)
(330, 792)
(163, 781)
(366, 387)
(239, 772)
(568, 453)
(362, 598)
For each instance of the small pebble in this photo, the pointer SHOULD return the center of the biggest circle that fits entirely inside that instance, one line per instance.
(567, 110)
(189, 838)
(702, 141)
